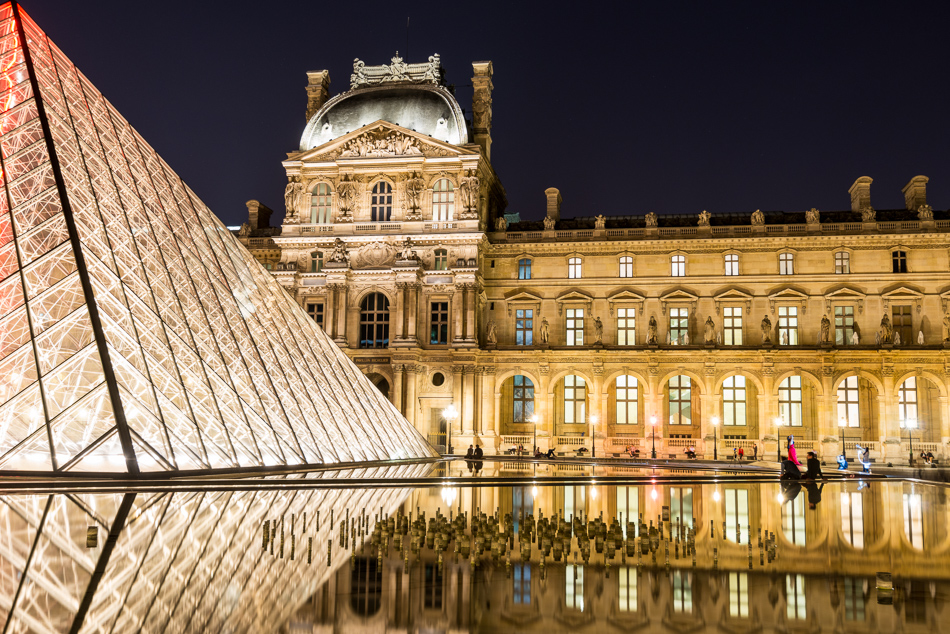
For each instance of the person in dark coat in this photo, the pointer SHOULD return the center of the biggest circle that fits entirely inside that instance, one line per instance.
(814, 494)
(813, 471)
(478, 452)
(790, 470)
(470, 453)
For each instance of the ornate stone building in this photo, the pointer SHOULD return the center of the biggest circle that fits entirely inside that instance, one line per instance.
(671, 331)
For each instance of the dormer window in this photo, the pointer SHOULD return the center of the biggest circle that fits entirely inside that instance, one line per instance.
(320, 205)
(441, 261)
(443, 200)
(381, 205)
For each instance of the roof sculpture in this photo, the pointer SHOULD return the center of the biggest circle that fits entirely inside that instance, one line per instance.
(136, 333)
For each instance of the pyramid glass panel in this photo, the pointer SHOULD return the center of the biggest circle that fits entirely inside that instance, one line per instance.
(136, 333)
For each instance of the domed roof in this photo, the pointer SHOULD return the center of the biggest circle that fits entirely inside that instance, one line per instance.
(390, 93)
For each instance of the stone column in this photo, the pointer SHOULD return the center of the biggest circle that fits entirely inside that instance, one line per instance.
(413, 300)
(410, 406)
(398, 370)
(400, 312)
(340, 334)
(470, 312)
(709, 407)
(487, 426)
(944, 424)
(889, 424)
(458, 306)
(598, 406)
(330, 311)
(828, 429)
(468, 402)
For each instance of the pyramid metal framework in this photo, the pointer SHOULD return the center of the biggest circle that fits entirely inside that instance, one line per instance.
(136, 333)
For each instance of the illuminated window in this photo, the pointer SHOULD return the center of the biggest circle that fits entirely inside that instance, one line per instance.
(374, 321)
(524, 269)
(852, 518)
(443, 200)
(844, 325)
(522, 399)
(733, 401)
(678, 266)
(627, 589)
(575, 501)
(575, 400)
(737, 515)
(320, 204)
(626, 387)
(574, 268)
(381, 203)
(679, 325)
(626, 327)
(575, 326)
(738, 594)
(680, 400)
(902, 323)
(842, 262)
(786, 264)
(574, 587)
(732, 264)
(316, 261)
(522, 505)
(788, 325)
(732, 325)
(681, 506)
(682, 591)
(524, 326)
(790, 401)
(628, 506)
(899, 261)
(913, 520)
(854, 599)
(849, 412)
(441, 260)
(907, 403)
(522, 584)
(793, 520)
(440, 323)
(626, 266)
(795, 597)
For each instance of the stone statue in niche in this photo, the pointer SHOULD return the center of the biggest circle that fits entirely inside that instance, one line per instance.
(709, 330)
(501, 225)
(545, 333)
(415, 186)
(885, 330)
(491, 335)
(946, 327)
(468, 195)
(825, 329)
(766, 330)
(339, 253)
(548, 223)
(598, 330)
(704, 217)
(811, 216)
(925, 212)
(600, 221)
(651, 219)
(651, 332)
(758, 218)
(347, 192)
(292, 197)
(868, 214)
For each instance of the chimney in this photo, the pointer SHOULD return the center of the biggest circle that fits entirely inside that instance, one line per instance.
(481, 105)
(258, 214)
(915, 193)
(861, 193)
(554, 202)
(318, 90)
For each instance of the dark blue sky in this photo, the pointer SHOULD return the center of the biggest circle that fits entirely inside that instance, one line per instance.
(661, 107)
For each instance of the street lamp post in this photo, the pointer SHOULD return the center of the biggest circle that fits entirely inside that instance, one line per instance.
(842, 423)
(534, 421)
(778, 438)
(715, 423)
(910, 426)
(449, 414)
(593, 443)
(653, 426)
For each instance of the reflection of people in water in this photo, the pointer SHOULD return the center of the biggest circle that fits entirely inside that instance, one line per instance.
(792, 453)
(790, 490)
(814, 493)
(790, 470)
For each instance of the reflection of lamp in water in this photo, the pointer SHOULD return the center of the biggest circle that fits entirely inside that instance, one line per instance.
(449, 414)
(715, 423)
(534, 491)
(449, 495)
(716, 496)
(780, 498)
(593, 492)
(593, 448)
(653, 424)
(653, 494)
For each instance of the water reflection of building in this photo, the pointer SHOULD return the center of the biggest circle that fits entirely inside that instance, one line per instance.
(554, 318)
(823, 578)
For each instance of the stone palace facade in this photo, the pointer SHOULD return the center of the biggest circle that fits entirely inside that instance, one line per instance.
(704, 330)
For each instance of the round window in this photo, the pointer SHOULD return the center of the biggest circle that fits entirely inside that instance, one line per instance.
(438, 379)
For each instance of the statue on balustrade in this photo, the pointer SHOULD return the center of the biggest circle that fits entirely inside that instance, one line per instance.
(491, 335)
(885, 330)
(825, 329)
(758, 218)
(598, 330)
(339, 253)
(651, 220)
(545, 332)
(501, 225)
(709, 330)
(651, 332)
(766, 330)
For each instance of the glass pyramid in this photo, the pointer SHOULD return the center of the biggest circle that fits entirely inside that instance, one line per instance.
(136, 334)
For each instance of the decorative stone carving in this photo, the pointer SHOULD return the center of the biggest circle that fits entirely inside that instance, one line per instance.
(375, 255)
(292, 198)
(651, 332)
(946, 327)
(347, 194)
(598, 330)
(501, 225)
(339, 254)
(381, 142)
(766, 330)
(811, 216)
(825, 329)
(468, 194)
(925, 212)
(920, 337)
(548, 223)
(491, 335)
(758, 218)
(415, 186)
(545, 330)
(885, 331)
(397, 71)
(600, 221)
(651, 219)
(244, 231)
(704, 217)
(408, 254)
(709, 331)
(868, 214)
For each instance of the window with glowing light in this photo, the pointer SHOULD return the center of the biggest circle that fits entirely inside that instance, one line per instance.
(678, 266)
(679, 325)
(682, 583)
(628, 505)
(793, 520)
(842, 262)
(320, 204)
(795, 597)
(626, 266)
(574, 587)
(574, 268)
(737, 514)
(788, 325)
(626, 396)
(738, 595)
(575, 327)
(786, 264)
(732, 325)
(680, 400)
(732, 264)
(907, 404)
(626, 327)
(575, 399)
(733, 401)
(790, 401)
(443, 200)
(849, 409)
(627, 589)
(844, 325)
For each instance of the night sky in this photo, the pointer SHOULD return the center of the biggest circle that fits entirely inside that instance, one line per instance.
(652, 107)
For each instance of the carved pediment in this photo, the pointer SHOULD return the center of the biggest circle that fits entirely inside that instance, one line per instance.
(845, 294)
(572, 296)
(903, 294)
(381, 139)
(679, 296)
(733, 295)
(789, 295)
(624, 296)
(521, 296)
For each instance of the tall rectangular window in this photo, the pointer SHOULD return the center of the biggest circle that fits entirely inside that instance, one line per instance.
(316, 261)
(678, 266)
(441, 260)
(626, 326)
(903, 324)
(793, 520)
(524, 269)
(575, 400)
(575, 326)
(842, 262)
(440, 323)
(788, 325)
(679, 326)
(681, 506)
(574, 587)
(626, 400)
(680, 400)
(737, 515)
(849, 409)
(852, 518)
(682, 591)
(790, 401)
(316, 313)
(522, 399)
(732, 325)
(734, 401)
(628, 505)
(574, 268)
(432, 590)
(786, 264)
(795, 597)
(844, 325)
(524, 327)
(732, 264)
(854, 599)
(739, 594)
(627, 589)
(626, 266)
(899, 261)
(522, 584)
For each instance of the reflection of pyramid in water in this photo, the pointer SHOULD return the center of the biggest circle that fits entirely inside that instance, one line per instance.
(136, 334)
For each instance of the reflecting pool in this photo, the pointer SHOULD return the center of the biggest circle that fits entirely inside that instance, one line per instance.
(673, 552)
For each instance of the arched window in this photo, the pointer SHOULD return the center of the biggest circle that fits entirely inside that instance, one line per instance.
(626, 400)
(316, 261)
(374, 321)
(849, 412)
(441, 262)
(680, 400)
(381, 205)
(626, 266)
(907, 403)
(522, 399)
(575, 400)
(320, 204)
(443, 200)
(733, 401)
(790, 401)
